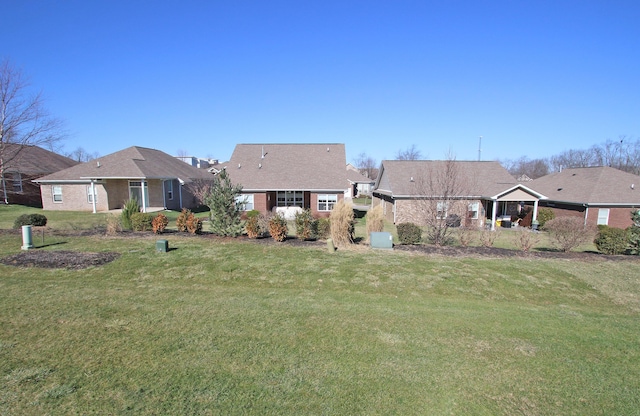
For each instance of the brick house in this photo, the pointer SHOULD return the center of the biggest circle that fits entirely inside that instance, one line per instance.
(474, 192)
(599, 195)
(20, 165)
(156, 179)
(287, 178)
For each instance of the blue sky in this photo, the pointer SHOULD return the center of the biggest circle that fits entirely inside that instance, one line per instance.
(533, 78)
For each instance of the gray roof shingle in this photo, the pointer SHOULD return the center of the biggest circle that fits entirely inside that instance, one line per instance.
(34, 160)
(594, 185)
(131, 163)
(272, 167)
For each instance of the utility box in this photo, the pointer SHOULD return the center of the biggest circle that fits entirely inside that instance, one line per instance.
(162, 246)
(381, 240)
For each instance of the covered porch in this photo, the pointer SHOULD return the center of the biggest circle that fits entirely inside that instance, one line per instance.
(509, 203)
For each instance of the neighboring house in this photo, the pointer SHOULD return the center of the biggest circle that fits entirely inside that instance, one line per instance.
(600, 195)
(359, 184)
(154, 178)
(22, 164)
(478, 192)
(289, 177)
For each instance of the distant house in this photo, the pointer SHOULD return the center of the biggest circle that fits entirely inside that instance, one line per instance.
(599, 195)
(289, 177)
(359, 184)
(154, 178)
(483, 191)
(20, 165)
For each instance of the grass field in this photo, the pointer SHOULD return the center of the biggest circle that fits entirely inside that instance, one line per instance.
(227, 327)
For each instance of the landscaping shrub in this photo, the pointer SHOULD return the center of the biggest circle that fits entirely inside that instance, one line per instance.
(612, 240)
(544, 215)
(252, 226)
(278, 228)
(194, 224)
(306, 225)
(568, 233)
(181, 220)
(488, 237)
(36, 220)
(409, 233)
(114, 224)
(342, 224)
(324, 228)
(141, 221)
(634, 233)
(525, 239)
(130, 207)
(466, 236)
(374, 220)
(159, 223)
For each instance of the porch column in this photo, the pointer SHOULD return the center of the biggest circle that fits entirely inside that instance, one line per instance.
(164, 195)
(93, 195)
(535, 210)
(493, 215)
(144, 199)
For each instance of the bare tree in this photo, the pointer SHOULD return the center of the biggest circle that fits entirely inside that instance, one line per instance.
(81, 155)
(410, 153)
(23, 119)
(443, 203)
(367, 165)
(533, 168)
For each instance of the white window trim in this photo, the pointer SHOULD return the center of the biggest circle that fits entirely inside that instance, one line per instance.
(442, 206)
(290, 199)
(603, 219)
(244, 202)
(328, 200)
(89, 194)
(169, 187)
(17, 180)
(475, 208)
(54, 194)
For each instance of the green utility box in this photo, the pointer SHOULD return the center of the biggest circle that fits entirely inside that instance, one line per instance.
(381, 240)
(162, 246)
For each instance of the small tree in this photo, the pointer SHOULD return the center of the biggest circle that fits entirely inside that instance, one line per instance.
(221, 200)
(568, 233)
(525, 239)
(342, 225)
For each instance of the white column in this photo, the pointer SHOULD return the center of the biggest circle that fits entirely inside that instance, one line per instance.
(93, 195)
(144, 196)
(535, 210)
(493, 215)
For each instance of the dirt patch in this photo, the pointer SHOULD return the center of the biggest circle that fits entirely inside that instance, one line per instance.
(58, 259)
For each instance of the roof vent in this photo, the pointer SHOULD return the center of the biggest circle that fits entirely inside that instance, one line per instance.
(259, 165)
(98, 163)
(327, 149)
(411, 180)
(559, 189)
(239, 165)
(633, 186)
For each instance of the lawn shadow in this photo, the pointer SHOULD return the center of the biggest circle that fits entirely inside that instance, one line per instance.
(49, 244)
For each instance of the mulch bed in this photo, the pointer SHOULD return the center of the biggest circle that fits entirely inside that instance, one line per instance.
(58, 259)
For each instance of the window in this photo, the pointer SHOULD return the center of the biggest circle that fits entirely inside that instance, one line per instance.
(169, 187)
(91, 193)
(56, 190)
(442, 210)
(136, 191)
(474, 207)
(244, 202)
(327, 201)
(17, 182)
(603, 216)
(290, 199)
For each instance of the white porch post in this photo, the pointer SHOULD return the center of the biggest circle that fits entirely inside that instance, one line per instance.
(144, 199)
(493, 215)
(535, 210)
(93, 195)
(164, 195)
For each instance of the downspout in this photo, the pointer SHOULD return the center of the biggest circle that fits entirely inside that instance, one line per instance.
(586, 214)
(535, 210)
(93, 194)
(395, 213)
(180, 188)
(164, 195)
(493, 215)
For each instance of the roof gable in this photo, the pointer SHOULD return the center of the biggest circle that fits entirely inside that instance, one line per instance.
(407, 178)
(262, 167)
(595, 185)
(131, 163)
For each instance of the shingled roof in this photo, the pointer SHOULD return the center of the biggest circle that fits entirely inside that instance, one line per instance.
(594, 185)
(273, 167)
(33, 160)
(398, 178)
(131, 163)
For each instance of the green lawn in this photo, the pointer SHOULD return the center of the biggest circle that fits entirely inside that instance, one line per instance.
(216, 327)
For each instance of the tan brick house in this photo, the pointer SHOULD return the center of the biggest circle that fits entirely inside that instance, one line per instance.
(156, 179)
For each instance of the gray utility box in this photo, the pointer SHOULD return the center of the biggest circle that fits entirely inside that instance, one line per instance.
(381, 240)
(162, 246)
